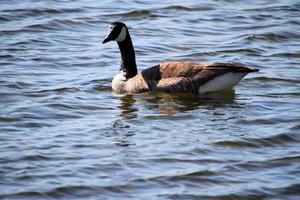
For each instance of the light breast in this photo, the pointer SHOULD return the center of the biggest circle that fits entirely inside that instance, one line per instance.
(118, 83)
(137, 84)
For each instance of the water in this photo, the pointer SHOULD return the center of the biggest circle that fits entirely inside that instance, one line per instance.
(65, 135)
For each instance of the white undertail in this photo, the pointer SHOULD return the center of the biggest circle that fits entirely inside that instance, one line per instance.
(225, 81)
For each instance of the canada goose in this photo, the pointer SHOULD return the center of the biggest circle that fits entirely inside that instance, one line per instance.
(170, 76)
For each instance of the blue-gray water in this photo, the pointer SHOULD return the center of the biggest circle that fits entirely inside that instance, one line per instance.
(64, 135)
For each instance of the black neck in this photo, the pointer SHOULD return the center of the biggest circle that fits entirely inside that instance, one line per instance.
(128, 64)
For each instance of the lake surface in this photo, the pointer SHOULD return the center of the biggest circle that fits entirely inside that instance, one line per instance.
(65, 135)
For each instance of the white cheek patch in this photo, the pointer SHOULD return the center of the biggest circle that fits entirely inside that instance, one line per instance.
(110, 28)
(122, 35)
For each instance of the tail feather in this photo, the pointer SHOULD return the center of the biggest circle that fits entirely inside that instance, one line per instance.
(253, 69)
(233, 67)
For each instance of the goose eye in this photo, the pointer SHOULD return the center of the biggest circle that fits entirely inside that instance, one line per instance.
(111, 28)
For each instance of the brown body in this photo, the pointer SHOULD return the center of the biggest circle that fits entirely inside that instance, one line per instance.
(181, 76)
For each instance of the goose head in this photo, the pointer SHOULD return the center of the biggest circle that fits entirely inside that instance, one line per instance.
(117, 31)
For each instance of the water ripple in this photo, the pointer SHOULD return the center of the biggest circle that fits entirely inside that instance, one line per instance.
(276, 140)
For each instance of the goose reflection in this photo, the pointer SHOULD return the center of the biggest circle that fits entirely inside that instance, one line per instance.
(172, 103)
(128, 111)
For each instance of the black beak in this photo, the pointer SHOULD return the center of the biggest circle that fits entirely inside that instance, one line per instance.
(107, 39)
